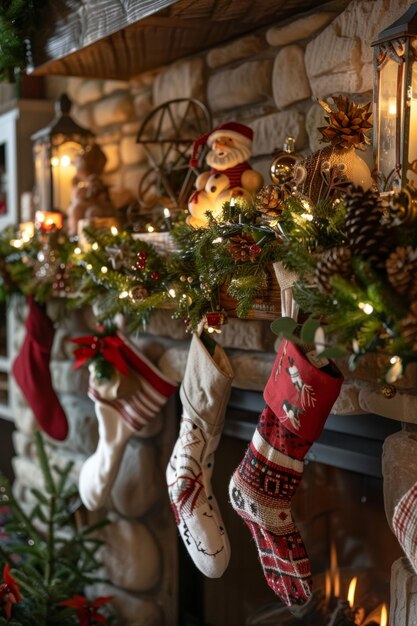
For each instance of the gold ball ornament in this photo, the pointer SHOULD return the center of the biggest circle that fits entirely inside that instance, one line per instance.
(282, 166)
(388, 391)
(403, 206)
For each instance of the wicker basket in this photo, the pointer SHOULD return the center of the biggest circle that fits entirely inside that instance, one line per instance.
(163, 242)
(266, 306)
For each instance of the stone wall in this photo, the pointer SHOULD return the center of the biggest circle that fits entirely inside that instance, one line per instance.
(268, 80)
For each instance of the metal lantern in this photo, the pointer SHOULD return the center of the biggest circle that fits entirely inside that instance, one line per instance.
(395, 103)
(55, 150)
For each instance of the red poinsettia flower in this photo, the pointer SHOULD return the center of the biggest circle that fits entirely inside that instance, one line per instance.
(9, 591)
(87, 611)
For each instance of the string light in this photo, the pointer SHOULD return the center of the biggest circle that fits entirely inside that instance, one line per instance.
(104, 269)
(123, 294)
(217, 240)
(172, 293)
(77, 250)
(150, 228)
(95, 246)
(366, 307)
(114, 230)
(88, 267)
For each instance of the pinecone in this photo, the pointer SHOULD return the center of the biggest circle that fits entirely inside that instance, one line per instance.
(333, 261)
(269, 200)
(347, 124)
(401, 266)
(408, 326)
(368, 239)
(243, 248)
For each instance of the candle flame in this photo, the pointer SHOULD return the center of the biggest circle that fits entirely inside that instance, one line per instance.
(392, 106)
(351, 591)
(334, 571)
(384, 615)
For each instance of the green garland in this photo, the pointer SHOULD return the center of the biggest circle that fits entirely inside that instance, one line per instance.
(362, 312)
(121, 273)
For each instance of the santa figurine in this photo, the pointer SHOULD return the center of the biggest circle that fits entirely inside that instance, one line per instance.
(230, 175)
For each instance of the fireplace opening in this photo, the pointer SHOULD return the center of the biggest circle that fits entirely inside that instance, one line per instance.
(339, 511)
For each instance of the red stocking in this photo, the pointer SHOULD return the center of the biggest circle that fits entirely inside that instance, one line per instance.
(31, 371)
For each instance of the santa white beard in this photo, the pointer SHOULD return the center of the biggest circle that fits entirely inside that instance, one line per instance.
(229, 157)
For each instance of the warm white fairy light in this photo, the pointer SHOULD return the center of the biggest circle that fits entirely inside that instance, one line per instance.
(88, 267)
(16, 243)
(172, 293)
(307, 216)
(114, 230)
(94, 246)
(394, 359)
(77, 250)
(123, 294)
(217, 240)
(366, 307)
(167, 212)
(104, 269)
(150, 228)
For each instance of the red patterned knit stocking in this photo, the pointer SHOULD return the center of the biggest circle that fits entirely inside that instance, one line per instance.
(299, 397)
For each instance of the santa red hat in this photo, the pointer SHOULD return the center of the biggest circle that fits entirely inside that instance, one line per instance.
(238, 132)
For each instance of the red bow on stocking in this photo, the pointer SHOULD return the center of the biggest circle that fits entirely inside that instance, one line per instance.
(108, 347)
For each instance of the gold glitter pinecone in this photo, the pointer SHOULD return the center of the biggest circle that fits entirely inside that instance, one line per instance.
(269, 200)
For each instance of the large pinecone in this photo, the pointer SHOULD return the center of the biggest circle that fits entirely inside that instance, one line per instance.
(333, 261)
(368, 239)
(409, 326)
(347, 125)
(401, 266)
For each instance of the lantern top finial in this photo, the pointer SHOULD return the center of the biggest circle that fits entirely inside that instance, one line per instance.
(63, 127)
(405, 26)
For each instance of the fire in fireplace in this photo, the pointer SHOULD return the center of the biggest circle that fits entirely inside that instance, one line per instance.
(339, 511)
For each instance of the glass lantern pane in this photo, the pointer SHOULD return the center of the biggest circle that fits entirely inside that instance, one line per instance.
(63, 172)
(42, 177)
(389, 110)
(412, 140)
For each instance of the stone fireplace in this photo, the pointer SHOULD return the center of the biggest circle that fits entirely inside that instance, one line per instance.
(342, 498)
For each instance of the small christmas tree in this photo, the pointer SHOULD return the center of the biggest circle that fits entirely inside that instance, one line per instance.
(46, 558)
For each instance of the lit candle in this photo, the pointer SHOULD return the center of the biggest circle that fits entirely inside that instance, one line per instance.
(48, 220)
